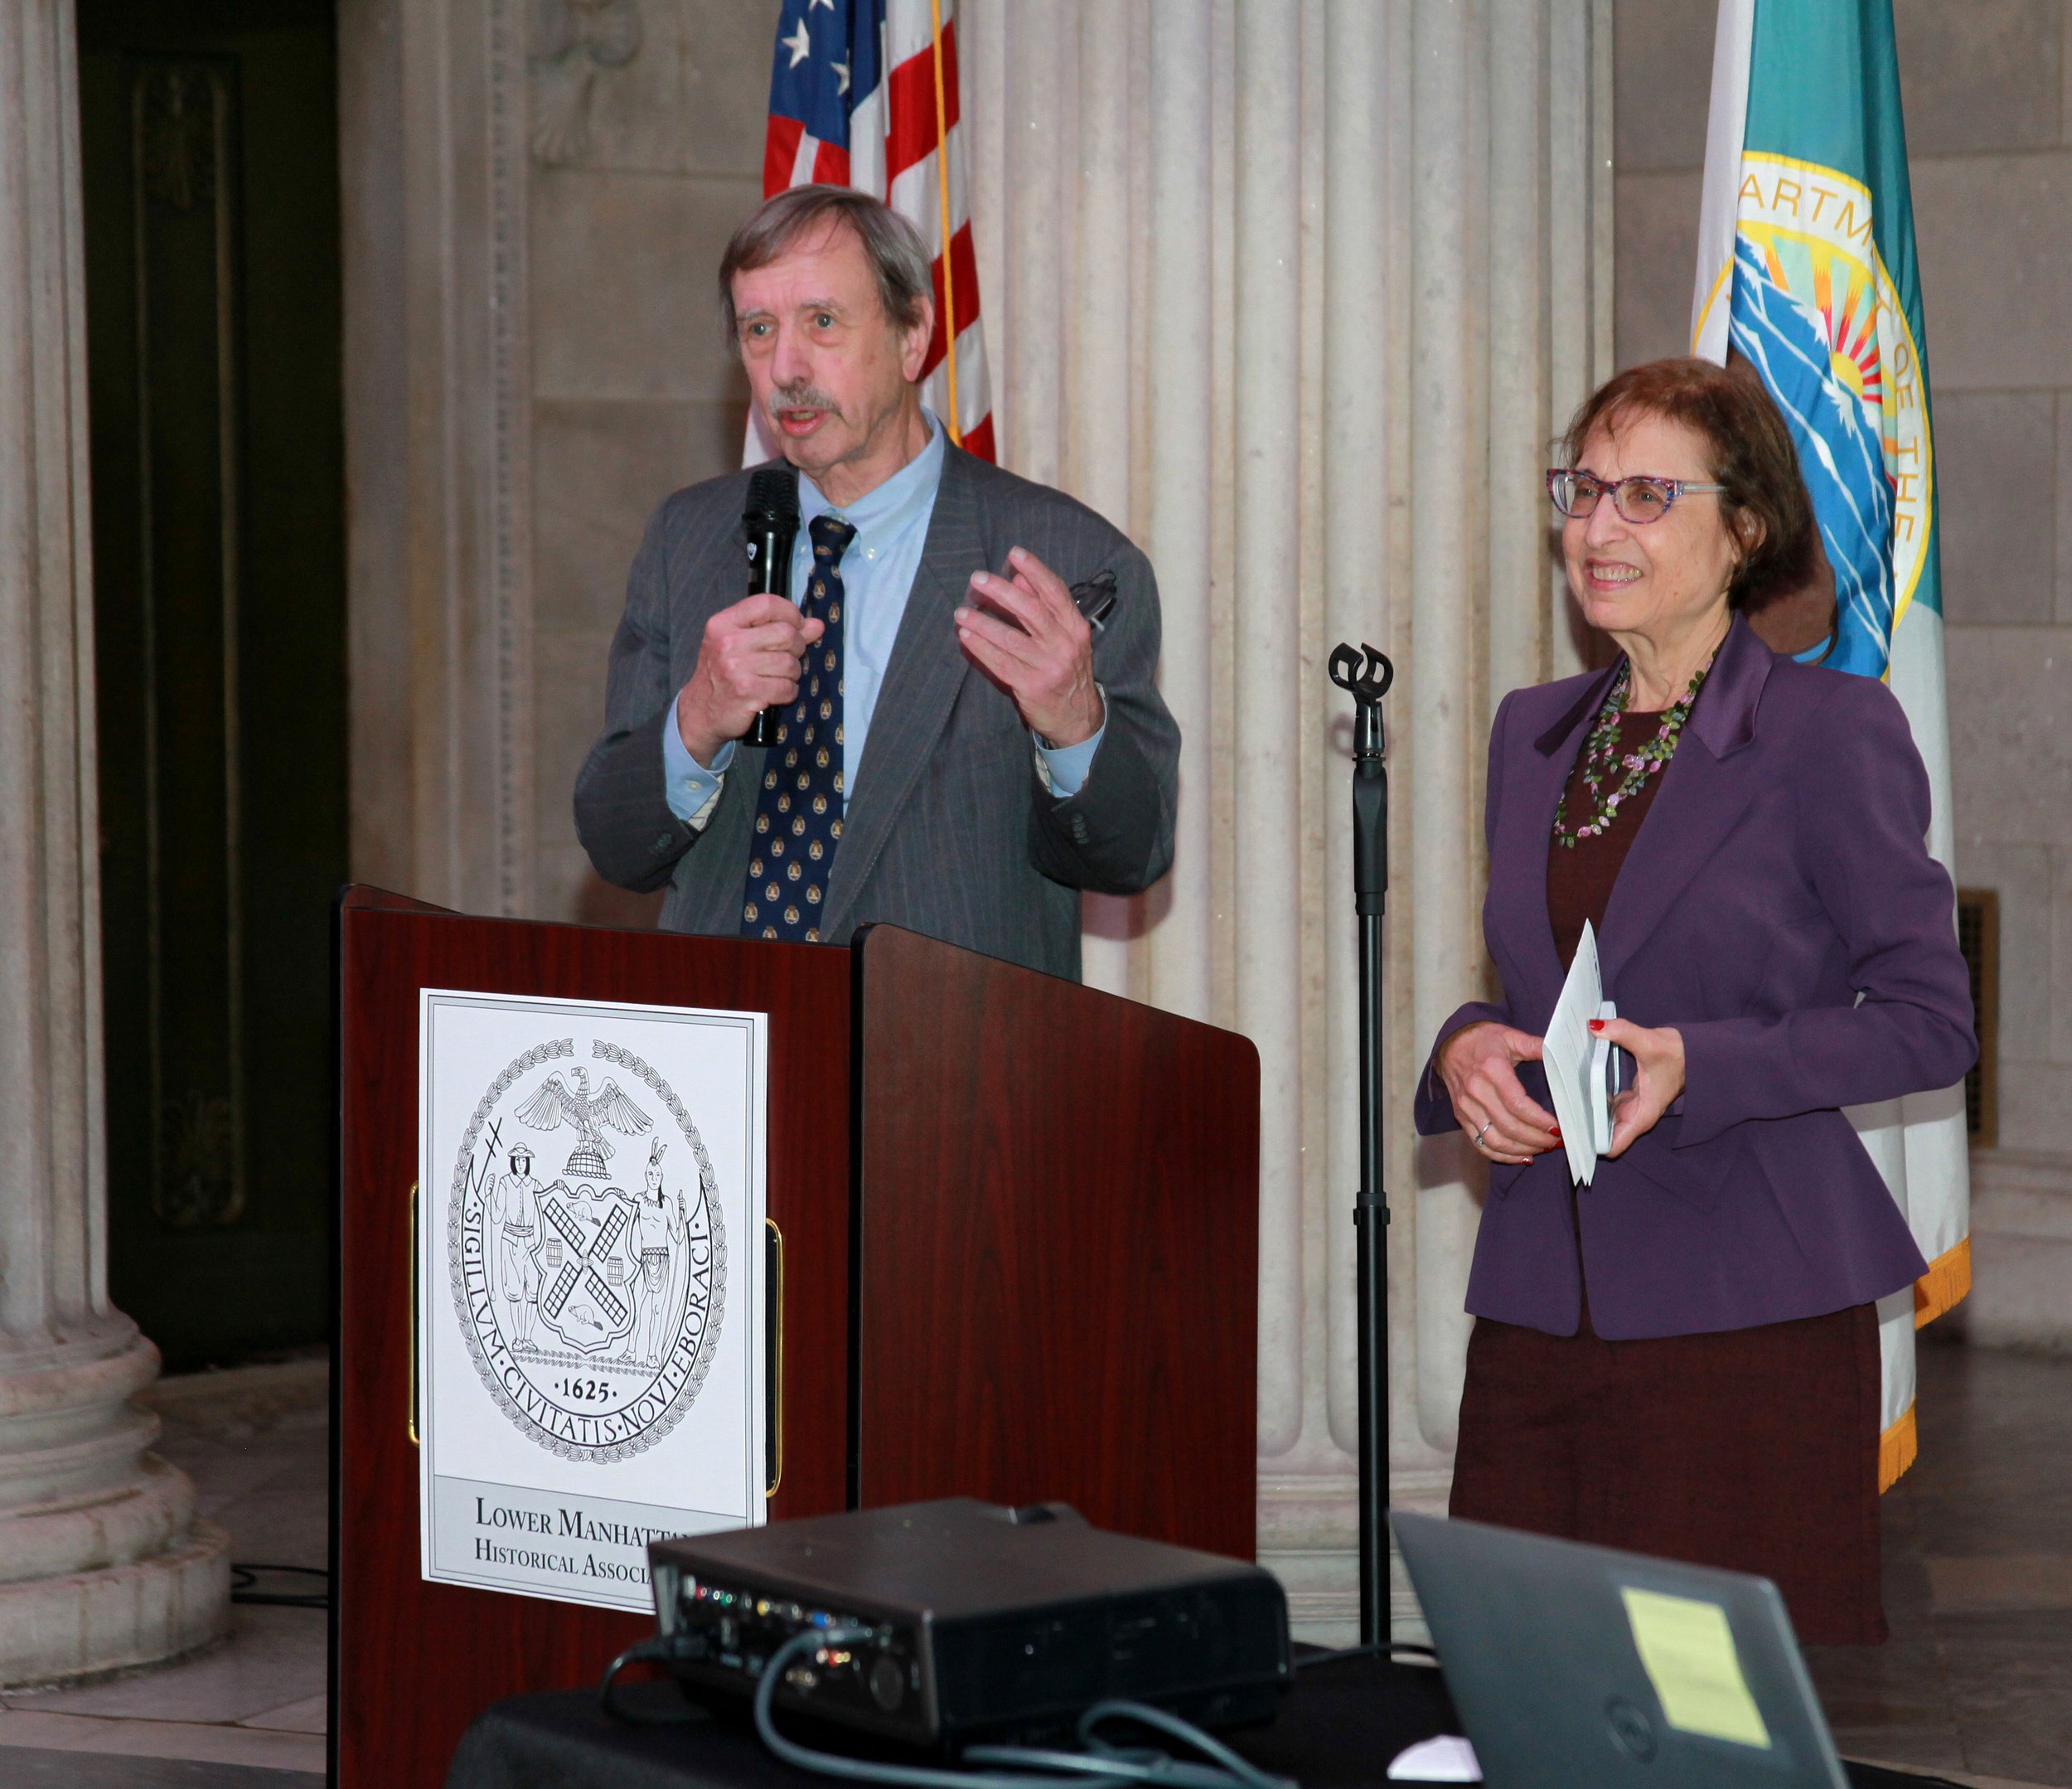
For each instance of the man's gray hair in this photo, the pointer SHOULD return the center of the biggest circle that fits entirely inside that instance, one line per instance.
(897, 255)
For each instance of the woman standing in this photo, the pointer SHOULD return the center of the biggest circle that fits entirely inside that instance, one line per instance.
(1682, 1358)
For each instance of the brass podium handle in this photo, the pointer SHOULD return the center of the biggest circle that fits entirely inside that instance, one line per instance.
(773, 1404)
(410, 1417)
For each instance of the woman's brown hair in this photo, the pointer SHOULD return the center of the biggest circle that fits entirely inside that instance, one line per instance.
(1749, 450)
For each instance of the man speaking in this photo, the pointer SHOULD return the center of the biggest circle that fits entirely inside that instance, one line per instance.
(958, 749)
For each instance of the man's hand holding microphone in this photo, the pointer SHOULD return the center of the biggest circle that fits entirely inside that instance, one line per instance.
(748, 660)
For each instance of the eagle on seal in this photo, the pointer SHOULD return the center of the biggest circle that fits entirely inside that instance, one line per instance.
(590, 1113)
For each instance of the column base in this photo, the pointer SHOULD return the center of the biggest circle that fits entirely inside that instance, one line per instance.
(1310, 1538)
(86, 1624)
(104, 1566)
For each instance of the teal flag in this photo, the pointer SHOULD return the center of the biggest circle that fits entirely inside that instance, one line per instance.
(1807, 270)
(1822, 297)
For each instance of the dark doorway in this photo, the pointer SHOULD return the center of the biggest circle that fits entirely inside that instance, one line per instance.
(210, 174)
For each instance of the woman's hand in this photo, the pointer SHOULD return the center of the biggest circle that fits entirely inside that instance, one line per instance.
(1479, 1064)
(1659, 1053)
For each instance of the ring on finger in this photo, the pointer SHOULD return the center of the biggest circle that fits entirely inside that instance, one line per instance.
(1486, 1123)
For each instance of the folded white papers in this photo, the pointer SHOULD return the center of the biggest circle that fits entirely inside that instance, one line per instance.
(1582, 1069)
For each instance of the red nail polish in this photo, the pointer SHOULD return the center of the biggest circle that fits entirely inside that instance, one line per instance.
(1558, 1133)
(1597, 1025)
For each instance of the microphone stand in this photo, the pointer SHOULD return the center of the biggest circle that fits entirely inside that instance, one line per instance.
(1367, 683)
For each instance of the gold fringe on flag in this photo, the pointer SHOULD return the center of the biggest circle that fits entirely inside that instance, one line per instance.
(1943, 1287)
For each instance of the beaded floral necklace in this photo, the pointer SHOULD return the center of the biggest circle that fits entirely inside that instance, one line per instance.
(1602, 762)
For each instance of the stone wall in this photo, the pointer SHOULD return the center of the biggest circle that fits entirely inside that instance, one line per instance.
(1987, 88)
(647, 150)
(537, 193)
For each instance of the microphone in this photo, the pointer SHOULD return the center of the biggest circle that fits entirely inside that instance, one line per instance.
(772, 519)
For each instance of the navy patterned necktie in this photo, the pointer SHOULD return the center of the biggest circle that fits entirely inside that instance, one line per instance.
(798, 812)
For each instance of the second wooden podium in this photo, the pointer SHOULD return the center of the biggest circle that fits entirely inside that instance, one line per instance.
(1020, 1235)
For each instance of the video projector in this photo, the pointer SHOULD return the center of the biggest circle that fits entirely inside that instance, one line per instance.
(984, 1621)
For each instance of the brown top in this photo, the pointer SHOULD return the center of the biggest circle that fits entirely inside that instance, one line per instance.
(1580, 878)
(1579, 885)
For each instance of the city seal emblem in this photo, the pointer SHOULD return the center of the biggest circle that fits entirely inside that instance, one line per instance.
(591, 1294)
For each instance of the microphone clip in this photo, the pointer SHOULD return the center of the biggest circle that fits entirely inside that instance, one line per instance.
(1367, 682)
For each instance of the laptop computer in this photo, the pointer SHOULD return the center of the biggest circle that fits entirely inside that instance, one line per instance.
(1570, 1663)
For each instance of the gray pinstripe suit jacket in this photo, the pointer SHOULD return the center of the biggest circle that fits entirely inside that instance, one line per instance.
(950, 831)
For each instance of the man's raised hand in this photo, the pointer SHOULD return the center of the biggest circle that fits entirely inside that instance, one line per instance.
(1031, 639)
(747, 660)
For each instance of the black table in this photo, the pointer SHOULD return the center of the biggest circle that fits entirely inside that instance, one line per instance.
(1338, 1728)
(1340, 1725)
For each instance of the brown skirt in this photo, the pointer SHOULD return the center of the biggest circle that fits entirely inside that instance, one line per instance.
(1755, 1450)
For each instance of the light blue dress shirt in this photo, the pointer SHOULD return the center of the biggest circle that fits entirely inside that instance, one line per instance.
(878, 573)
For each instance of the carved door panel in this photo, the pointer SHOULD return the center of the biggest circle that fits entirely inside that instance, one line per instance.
(210, 176)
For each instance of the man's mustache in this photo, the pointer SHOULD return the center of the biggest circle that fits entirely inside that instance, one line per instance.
(800, 397)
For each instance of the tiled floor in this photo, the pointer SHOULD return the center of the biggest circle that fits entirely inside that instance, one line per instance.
(1976, 1682)
(1978, 1675)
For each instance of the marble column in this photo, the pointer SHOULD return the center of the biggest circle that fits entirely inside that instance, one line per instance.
(1296, 292)
(103, 1563)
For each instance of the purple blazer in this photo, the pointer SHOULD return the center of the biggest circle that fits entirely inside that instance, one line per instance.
(1780, 908)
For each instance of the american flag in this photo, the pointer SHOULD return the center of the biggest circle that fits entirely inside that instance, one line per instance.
(838, 117)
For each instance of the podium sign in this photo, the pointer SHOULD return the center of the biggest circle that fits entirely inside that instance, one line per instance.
(590, 1310)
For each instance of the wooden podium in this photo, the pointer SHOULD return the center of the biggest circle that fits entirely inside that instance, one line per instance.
(1020, 1242)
